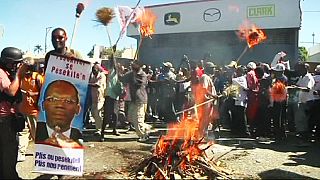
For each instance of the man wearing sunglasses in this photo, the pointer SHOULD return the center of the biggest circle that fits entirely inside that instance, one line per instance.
(59, 38)
(61, 104)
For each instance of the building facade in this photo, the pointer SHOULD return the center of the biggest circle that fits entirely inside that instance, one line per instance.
(208, 29)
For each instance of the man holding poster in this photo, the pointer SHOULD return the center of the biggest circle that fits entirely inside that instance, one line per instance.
(58, 39)
(58, 143)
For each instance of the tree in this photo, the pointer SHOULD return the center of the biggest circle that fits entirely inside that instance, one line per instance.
(37, 49)
(104, 53)
(303, 54)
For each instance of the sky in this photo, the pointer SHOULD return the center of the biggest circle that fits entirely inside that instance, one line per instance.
(25, 23)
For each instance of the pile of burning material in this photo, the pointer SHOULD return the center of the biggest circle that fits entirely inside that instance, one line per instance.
(181, 154)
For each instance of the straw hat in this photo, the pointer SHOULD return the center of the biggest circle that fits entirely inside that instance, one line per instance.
(167, 64)
(233, 64)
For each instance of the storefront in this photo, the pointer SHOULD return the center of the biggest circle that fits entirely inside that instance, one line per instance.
(208, 30)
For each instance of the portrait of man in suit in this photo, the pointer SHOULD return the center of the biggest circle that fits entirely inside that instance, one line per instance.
(61, 103)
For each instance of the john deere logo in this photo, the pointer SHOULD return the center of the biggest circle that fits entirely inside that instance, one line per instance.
(172, 18)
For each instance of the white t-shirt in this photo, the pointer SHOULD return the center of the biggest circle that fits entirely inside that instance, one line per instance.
(308, 82)
(207, 83)
(241, 99)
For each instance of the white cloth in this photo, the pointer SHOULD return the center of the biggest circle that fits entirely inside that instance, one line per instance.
(207, 83)
(98, 89)
(241, 99)
(308, 82)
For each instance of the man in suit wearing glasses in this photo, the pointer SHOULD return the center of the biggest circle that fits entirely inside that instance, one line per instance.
(61, 104)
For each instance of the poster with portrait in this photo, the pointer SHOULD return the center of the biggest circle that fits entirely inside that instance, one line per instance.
(58, 143)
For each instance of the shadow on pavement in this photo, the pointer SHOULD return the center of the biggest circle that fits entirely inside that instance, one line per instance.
(281, 174)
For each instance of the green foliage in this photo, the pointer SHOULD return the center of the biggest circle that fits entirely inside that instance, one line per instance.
(37, 48)
(303, 54)
(106, 52)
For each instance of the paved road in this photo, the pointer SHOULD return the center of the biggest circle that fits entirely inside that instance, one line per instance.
(245, 157)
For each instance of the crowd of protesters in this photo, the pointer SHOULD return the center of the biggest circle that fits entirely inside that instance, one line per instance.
(256, 100)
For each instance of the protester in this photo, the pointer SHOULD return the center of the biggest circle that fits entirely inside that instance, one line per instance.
(202, 93)
(239, 124)
(137, 81)
(253, 88)
(292, 106)
(113, 91)
(279, 102)
(314, 112)
(10, 79)
(30, 87)
(59, 38)
(261, 125)
(183, 87)
(302, 117)
(167, 88)
(97, 83)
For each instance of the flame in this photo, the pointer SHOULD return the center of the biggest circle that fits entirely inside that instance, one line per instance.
(185, 137)
(186, 129)
(146, 20)
(162, 147)
(278, 92)
(252, 34)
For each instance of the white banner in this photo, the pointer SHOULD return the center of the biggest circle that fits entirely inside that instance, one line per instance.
(56, 160)
(58, 142)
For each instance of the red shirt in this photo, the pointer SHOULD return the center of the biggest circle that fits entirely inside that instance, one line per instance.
(6, 108)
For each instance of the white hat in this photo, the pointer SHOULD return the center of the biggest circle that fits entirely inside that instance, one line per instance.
(210, 65)
(279, 67)
(168, 64)
(252, 65)
(317, 68)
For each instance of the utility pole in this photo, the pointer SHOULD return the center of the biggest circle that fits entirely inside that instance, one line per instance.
(313, 38)
(45, 40)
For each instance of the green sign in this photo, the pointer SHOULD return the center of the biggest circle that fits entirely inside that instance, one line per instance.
(261, 11)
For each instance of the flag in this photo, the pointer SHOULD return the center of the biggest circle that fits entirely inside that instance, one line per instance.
(127, 15)
(277, 58)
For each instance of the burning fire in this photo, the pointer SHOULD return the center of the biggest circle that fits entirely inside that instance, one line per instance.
(146, 20)
(278, 92)
(181, 153)
(253, 35)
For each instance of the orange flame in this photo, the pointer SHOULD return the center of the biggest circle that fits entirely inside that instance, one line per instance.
(146, 20)
(252, 34)
(188, 130)
(162, 147)
(278, 92)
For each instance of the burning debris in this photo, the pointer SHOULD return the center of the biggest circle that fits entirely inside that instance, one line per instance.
(181, 154)
(252, 34)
